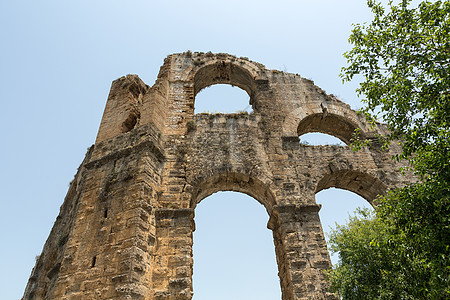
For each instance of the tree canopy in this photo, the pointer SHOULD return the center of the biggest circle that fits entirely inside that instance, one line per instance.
(403, 250)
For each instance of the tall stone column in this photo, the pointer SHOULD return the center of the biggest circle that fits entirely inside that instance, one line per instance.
(301, 252)
(172, 273)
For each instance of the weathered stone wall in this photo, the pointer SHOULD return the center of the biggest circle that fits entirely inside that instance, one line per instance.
(125, 228)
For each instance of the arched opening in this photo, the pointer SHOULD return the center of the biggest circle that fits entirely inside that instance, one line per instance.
(328, 123)
(235, 182)
(337, 206)
(223, 73)
(341, 192)
(222, 98)
(320, 139)
(362, 184)
(234, 254)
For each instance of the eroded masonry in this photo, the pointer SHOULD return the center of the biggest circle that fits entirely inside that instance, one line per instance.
(125, 228)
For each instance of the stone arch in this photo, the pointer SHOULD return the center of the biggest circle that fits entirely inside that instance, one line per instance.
(261, 192)
(210, 69)
(236, 182)
(198, 70)
(233, 224)
(330, 117)
(361, 183)
(223, 72)
(331, 124)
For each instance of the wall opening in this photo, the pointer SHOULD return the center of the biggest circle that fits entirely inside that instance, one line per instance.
(337, 206)
(320, 139)
(362, 184)
(130, 122)
(93, 261)
(222, 98)
(234, 253)
(327, 123)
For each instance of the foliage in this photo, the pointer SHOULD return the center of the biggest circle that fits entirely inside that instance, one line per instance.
(369, 267)
(403, 251)
(404, 58)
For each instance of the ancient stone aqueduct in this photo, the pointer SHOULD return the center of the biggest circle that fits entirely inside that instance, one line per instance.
(125, 228)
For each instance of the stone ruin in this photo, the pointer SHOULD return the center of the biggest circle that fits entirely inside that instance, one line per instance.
(125, 228)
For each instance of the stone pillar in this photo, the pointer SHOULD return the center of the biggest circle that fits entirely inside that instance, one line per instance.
(301, 252)
(172, 273)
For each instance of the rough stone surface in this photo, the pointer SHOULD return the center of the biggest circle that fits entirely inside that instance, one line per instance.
(125, 228)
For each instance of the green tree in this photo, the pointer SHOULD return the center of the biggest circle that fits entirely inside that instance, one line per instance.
(403, 251)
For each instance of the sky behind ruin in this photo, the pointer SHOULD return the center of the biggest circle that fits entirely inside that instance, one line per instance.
(57, 62)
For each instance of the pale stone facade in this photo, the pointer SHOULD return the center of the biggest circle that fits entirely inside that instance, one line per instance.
(125, 228)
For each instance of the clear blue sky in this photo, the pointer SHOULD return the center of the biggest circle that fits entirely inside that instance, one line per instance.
(57, 61)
